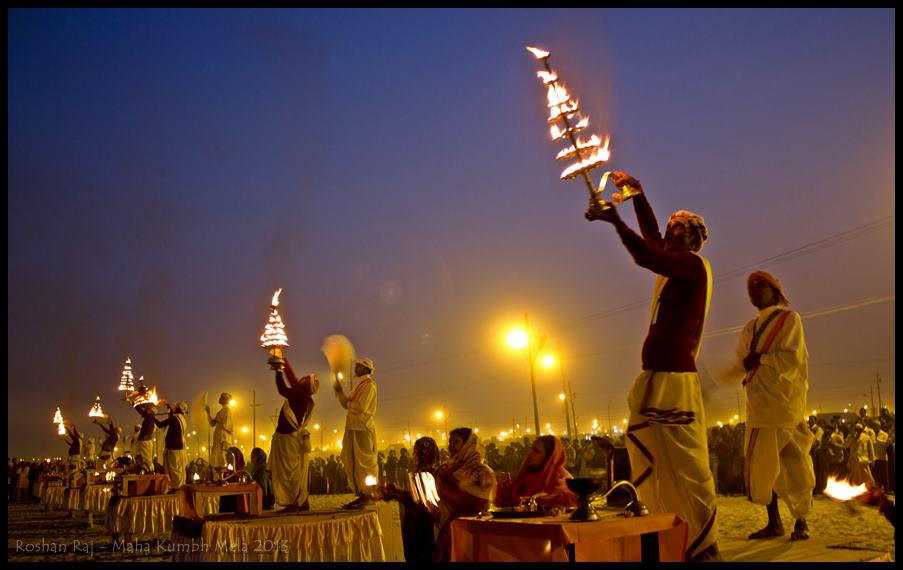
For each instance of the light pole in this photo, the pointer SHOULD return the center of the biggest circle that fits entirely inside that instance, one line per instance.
(441, 415)
(523, 338)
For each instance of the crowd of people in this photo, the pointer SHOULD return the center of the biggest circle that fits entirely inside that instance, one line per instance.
(855, 450)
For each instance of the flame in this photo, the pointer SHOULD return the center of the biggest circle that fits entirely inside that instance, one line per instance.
(196, 477)
(58, 416)
(598, 156)
(61, 429)
(557, 95)
(566, 109)
(274, 330)
(547, 77)
(96, 409)
(843, 491)
(593, 142)
(126, 380)
(370, 480)
(538, 53)
(557, 132)
(230, 467)
(150, 397)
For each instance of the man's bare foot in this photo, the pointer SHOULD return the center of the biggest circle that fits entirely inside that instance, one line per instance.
(710, 554)
(800, 530)
(770, 531)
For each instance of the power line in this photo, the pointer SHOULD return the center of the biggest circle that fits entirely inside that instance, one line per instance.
(788, 255)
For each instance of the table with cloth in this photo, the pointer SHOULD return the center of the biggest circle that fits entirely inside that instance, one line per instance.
(53, 497)
(73, 500)
(324, 536)
(612, 538)
(145, 516)
(201, 500)
(95, 499)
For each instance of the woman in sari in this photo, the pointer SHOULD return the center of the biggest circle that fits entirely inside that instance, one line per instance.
(465, 484)
(542, 475)
(418, 520)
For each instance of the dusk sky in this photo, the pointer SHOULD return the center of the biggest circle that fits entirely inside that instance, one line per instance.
(392, 171)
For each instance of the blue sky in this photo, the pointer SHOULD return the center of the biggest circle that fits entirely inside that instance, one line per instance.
(391, 170)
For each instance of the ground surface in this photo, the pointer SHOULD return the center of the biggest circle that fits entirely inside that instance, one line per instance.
(860, 534)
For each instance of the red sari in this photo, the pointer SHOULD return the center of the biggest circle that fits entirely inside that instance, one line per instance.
(548, 482)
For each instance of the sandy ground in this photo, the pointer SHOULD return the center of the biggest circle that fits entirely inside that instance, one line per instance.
(838, 534)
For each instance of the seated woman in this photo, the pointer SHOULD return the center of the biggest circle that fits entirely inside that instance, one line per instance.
(465, 484)
(542, 474)
(418, 522)
(257, 469)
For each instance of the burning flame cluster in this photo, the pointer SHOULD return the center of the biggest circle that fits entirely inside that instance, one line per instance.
(127, 379)
(843, 491)
(58, 420)
(563, 109)
(96, 409)
(147, 396)
(274, 331)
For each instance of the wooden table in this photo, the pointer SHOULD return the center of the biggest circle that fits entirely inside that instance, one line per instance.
(613, 538)
(201, 500)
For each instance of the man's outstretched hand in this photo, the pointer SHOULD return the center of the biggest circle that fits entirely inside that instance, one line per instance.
(597, 212)
(621, 179)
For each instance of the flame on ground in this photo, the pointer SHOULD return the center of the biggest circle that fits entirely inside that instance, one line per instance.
(842, 490)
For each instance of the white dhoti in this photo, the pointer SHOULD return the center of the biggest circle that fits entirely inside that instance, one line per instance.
(175, 461)
(218, 452)
(777, 459)
(288, 463)
(145, 449)
(669, 457)
(359, 457)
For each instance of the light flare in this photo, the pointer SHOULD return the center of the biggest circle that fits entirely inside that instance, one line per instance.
(842, 491)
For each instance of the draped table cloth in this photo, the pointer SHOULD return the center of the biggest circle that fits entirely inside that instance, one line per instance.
(150, 515)
(95, 499)
(612, 538)
(334, 536)
(201, 500)
(73, 499)
(53, 497)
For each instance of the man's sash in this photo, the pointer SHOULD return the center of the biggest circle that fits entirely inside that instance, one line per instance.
(778, 325)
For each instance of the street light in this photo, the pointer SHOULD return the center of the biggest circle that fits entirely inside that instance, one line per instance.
(441, 415)
(518, 339)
